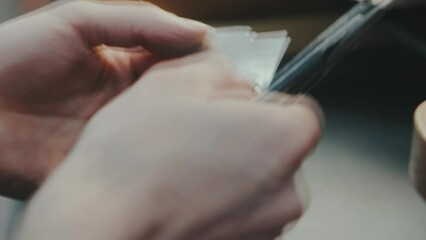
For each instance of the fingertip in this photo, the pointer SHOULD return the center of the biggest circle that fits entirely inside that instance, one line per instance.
(128, 25)
(308, 117)
(177, 39)
(188, 36)
(299, 131)
(175, 35)
(313, 105)
(304, 110)
(198, 26)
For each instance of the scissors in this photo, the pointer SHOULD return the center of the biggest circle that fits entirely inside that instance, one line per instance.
(308, 67)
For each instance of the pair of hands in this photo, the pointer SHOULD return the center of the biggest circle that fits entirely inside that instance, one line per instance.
(155, 146)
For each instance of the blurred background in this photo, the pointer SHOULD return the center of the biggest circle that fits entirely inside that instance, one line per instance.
(358, 176)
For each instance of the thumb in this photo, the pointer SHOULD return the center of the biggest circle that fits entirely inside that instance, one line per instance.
(418, 154)
(130, 24)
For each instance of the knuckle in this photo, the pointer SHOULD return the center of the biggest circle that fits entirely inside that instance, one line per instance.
(73, 9)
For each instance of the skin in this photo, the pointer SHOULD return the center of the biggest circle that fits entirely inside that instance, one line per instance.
(184, 154)
(57, 72)
(166, 149)
(145, 144)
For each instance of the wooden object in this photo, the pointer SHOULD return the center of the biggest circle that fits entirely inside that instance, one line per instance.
(418, 157)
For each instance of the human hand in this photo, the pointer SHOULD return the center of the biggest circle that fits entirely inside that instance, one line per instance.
(56, 72)
(418, 155)
(184, 154)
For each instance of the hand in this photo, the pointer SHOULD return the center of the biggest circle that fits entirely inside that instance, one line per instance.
(418, 158)
(56, 72)
(185, 154)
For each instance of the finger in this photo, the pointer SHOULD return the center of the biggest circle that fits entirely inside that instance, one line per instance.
(280, 213)
(132, 24)
(276, 211)
(265, 219)
(284, 135)
(418, 154)
(297, 122)
(287, 99)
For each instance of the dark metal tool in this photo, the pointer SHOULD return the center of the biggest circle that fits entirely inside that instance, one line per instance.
(304, 71)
